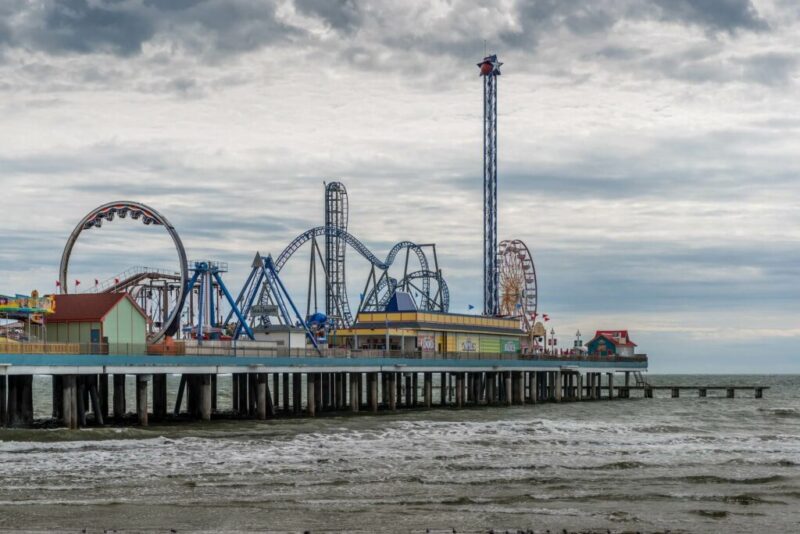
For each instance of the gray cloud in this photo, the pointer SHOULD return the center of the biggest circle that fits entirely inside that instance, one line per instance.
(124, 27)
(724, 15)
(343, 15)
(224, 27)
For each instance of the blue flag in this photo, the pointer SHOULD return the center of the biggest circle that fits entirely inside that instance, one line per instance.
(470, 307)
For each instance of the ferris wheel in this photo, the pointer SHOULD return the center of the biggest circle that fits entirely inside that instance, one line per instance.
(517, 274)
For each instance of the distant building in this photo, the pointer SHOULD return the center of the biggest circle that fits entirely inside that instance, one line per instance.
(98, 318)
(611, 343)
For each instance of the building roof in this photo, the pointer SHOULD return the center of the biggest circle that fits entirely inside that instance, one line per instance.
(88, 307)
(619, 338)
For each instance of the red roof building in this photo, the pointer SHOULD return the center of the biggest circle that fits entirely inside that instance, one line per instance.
(97, 318)
(611, 343)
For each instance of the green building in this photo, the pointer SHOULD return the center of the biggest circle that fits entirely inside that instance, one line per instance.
(111, 322)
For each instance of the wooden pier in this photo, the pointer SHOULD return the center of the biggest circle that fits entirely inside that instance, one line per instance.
(268, 387)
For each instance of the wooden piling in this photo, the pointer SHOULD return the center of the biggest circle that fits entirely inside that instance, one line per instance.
(141, 398)
(81, 394)
(159, 396)
(69, 401)
(428, 389)
(459, 389)
(56, 396)
(392, 390)
(95, 400)
(676, 392)
(3, 401)
(558, 383)
(182, 392)
(372, 382)
(119, 398)
(204, 394)
(731, 393)
(311, 394)
(517, 387)
(297, 393)
(354, 392)
(276, 399)
(286, 392)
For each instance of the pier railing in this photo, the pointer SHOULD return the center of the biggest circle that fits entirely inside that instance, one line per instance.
(244, 350)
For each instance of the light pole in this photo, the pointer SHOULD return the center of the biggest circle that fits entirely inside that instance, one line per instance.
(553, 340)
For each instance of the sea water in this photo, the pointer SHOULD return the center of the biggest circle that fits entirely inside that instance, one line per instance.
(688, 464)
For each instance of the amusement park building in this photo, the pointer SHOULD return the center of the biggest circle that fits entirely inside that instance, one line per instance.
(431, 332)
(611, 343)
(102, 318)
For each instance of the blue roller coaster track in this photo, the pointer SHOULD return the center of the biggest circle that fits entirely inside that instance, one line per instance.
(424, 274)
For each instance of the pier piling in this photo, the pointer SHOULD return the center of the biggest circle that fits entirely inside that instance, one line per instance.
(141, 398)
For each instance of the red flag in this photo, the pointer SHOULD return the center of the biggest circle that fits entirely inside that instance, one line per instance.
(116, 281)
(58, 283)
(545, 317)
(96, 282)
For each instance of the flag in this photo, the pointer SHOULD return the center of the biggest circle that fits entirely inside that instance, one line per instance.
(545, 317)
(77, 283)
(116, 281)
(58, 283)
(96, 282)
(470, 307)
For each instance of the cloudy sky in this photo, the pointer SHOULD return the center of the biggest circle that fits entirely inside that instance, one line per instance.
(648, 149)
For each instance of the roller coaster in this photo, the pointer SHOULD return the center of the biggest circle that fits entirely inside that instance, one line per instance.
(426, 284)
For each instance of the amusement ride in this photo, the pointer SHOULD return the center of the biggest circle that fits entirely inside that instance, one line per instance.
(188, 300)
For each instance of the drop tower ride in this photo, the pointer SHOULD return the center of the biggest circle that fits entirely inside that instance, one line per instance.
(490, 70)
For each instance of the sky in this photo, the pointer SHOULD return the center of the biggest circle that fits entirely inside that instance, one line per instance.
(647, 150)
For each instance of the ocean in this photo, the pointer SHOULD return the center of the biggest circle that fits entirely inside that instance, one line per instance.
(638, 465)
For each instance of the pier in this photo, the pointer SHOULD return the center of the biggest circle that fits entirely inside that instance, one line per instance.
(264, 387)
(268, 386)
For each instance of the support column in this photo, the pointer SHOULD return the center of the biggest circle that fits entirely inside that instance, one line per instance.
(392, 390)
(354, 392)
(103, 391)
(518, 387)
(459, 389)
(491, 386)
(204, 385)
(508, 388)
(261, 396)
(182, 391)
(57, 388)
(286, 392)
(141, 398)
(372, 383)
(428, 387)
(558, 385)
(311, 394)
(69, 401)
(4, 396)
(119, 398)
(415, 390)
(276, 388)
(159, 397)
(95, 399)
(297, 392)
(443, 388)
(610, 386)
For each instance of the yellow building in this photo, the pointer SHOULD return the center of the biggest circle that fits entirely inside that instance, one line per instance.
(430, 332)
